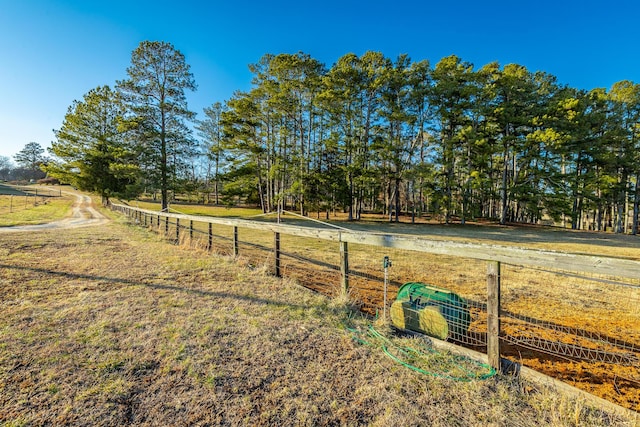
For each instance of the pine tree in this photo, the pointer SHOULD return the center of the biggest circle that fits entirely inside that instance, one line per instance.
(155, 95)
(91, 151)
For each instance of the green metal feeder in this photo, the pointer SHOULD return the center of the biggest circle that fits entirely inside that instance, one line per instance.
(430, 310)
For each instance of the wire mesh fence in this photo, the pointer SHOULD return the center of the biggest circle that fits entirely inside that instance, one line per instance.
(583, 317)
(580, 327)
(312, 262)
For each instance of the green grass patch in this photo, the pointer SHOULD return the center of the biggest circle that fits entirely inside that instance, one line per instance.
(29, 210)
(206, 210)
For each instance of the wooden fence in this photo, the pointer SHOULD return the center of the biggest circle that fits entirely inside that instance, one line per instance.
(493, 255)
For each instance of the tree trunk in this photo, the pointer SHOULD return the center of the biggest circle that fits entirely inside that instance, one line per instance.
(636, 206)
(397, 194)
(503, 190)
(164, 181)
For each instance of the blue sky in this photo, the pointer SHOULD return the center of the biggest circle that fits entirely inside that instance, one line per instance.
(53, 52)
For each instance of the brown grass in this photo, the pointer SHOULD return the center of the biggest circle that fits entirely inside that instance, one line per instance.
(551, 297)
(110, 326)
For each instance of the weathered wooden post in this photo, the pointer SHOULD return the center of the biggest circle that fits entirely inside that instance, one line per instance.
(344, 267)
(210, 245)
(177, 231)
(493, 314)
(166, 226)
(235, 241)
(276, 253)
(190, 232)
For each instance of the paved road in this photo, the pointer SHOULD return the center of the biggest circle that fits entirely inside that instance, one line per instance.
(82, 215)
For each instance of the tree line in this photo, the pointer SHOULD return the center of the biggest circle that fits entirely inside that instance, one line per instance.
(28, 164)
(367, 134)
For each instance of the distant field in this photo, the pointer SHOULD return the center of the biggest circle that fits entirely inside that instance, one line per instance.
(539, 237)
(194, 209)
(111, 326)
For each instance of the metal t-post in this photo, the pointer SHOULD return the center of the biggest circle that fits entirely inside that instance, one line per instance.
(386, 263)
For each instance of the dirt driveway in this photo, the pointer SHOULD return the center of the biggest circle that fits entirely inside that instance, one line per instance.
(82, 215)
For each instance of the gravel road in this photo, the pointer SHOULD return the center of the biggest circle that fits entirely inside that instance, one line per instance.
(82, 215)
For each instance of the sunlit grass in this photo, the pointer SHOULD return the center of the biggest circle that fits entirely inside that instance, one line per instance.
(26, 210)
(207, 210)
(112, 326)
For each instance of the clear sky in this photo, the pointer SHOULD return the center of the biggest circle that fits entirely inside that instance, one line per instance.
(53, 52)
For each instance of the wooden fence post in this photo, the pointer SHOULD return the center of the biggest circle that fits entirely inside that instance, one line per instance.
(344, 267)
(177, 231)
(166, 225)
(190, 232)
(210, 245)
(493, 314)
(235, 240)
(276, 254)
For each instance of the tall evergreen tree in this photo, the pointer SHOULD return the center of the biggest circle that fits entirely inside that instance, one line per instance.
(31, 157)
(91, 151)
(625, 108)
(352, 100)
(451, 98)
(514, 93)
(244, 128)
(399, 137)
(155, 94)
(211, 131)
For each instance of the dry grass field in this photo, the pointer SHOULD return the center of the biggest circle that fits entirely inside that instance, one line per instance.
(111, 326)
(562, 306)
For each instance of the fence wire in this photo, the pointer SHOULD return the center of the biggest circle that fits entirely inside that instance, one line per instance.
(581, 327)
(18, 203)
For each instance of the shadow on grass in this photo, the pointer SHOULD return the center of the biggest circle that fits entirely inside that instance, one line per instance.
(118, 280)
